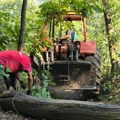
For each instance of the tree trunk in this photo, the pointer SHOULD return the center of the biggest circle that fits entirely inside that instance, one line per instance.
(110, 36)
(22, 28)
(54, 109)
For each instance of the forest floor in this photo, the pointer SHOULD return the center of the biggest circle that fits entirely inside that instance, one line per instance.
(10, 115)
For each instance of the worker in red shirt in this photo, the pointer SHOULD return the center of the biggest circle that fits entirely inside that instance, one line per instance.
(16, 62)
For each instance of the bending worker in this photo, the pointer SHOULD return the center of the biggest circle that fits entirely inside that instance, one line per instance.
(16, 62)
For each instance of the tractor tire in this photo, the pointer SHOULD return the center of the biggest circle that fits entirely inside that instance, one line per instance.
(95, 60)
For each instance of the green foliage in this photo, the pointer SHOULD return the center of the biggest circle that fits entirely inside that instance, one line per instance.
(107, 87)
(54, 8)
(86, 7)
(9, 22)
(50, 10)
(46, 76)
(42, 89)
(24, 77)
(2, 73)
(110, 87)
(10, 12)
(111, 91)
(40, 92)
(117, 72)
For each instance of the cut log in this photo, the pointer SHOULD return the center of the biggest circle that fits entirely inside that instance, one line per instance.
(56, 109)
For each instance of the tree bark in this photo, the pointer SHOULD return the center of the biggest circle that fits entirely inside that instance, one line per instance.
(22, 28)
(110, 36)
(54, 109)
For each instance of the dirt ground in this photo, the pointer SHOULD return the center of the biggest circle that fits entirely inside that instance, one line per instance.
(11, 116)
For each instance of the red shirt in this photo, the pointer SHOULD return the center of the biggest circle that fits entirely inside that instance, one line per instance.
(15, 60)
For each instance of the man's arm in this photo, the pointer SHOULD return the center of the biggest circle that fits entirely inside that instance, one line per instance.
(65, 37)
(30, 81)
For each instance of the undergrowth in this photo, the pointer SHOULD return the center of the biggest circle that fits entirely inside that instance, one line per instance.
(110, 92)
(41, 89)
(110, 88)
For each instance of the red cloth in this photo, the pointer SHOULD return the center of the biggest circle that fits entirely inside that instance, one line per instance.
(15, 60)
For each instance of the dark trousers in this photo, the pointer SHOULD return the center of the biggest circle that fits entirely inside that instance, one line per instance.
(11, 81)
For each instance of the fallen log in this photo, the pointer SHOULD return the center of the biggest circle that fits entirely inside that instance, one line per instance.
(56, 109)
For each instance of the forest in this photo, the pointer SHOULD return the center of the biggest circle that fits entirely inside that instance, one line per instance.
(102, 21)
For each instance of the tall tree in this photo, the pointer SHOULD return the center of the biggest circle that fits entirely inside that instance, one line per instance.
(110, 35)
(23, 24)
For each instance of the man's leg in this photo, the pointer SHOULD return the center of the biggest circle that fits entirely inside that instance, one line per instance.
(2, 86)
(13, 80)
(7, 82)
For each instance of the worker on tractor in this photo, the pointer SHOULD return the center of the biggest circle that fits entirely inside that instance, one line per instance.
(71, 36)
(16, 62)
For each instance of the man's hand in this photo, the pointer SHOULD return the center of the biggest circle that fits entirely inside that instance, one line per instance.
(29, 92)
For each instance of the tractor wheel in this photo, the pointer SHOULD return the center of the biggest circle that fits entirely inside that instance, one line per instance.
(95, 60)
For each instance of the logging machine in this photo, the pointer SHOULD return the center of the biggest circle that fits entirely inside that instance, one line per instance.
(74, 65)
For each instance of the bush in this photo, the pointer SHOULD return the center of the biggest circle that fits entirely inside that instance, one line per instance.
(41, 90)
